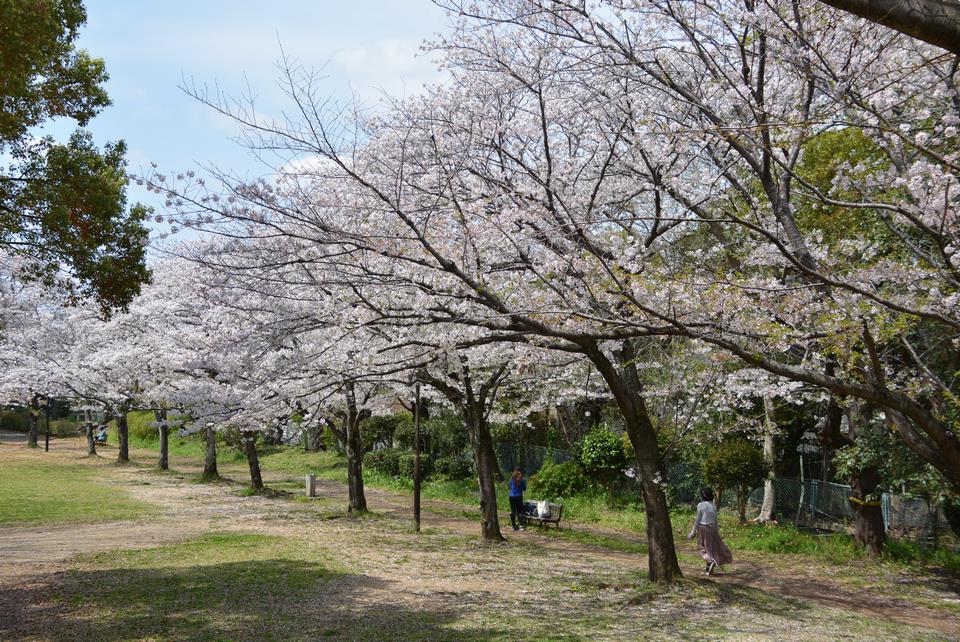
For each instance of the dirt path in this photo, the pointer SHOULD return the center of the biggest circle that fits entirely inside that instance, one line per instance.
(28, 555)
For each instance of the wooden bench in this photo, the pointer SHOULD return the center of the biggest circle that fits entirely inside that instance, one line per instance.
(556, 512)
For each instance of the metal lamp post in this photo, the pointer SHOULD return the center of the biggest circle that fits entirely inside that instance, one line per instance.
(46, 438)
(416, 458)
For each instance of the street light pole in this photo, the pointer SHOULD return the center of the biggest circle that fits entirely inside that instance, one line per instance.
(46, 439)
(416, 458)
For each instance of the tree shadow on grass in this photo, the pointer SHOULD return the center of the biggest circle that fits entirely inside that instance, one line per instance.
(754, 599)
(274, 599)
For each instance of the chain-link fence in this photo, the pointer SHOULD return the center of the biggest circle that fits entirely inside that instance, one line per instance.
(529, 458)
(814, 502)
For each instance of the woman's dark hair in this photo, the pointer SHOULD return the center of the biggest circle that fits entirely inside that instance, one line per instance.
(706, 494)
(517, 474)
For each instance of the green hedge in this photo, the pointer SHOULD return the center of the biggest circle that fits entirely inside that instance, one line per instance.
(397, 462)
(15, 420)
(454, 467)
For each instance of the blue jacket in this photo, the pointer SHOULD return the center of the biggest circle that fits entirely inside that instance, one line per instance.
(516, 491)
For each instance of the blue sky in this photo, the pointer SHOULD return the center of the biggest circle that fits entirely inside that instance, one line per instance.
(365, 46)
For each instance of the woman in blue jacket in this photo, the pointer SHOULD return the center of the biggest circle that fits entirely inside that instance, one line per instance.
(517, 485)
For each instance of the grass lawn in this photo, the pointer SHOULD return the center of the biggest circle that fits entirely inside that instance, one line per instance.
(51, 492)
(214, 587)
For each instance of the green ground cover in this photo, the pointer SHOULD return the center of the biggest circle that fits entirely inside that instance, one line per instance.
(51, 492)
(209, 588)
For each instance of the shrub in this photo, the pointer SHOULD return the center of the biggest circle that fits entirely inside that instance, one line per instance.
(396, 462)
(560, 480)
(604, 455)
(405, 461)
(736, 464)
(15, 420)
(386, 461)
(454, 467)
(63, 427)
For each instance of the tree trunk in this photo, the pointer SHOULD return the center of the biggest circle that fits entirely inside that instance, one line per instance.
(475, 423)
(768, 506)
(32, 436)
(91, 442)
(123, 435)
(933, 21)
(869, 530)
(210, 457)
(492, 457)
(358, 500)
(161, 417)
(742, 494)
(354, 448)
(315, 438)
(625, 385)
(253, 461)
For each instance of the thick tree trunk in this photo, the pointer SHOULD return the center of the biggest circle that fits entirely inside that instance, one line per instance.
(492, 457)
(91, 442)
(314, 441)
(358, 500)
(253, 461)
(354, 448)
(164, 430)
(933, 21)
(626, 388)
(32, 436)
(210, 456)
(768, 506)
(485, 460)
(123, 436)
(869, 530)
(742, 494)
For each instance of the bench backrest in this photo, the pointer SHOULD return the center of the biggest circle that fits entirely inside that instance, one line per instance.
(556, 510)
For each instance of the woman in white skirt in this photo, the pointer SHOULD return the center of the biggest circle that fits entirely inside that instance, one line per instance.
(707, 529)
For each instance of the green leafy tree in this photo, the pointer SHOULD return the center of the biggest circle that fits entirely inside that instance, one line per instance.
(63, 207)
(736, 464)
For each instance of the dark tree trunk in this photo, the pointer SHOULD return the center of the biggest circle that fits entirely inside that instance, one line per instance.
(253, 461)
(476, 425)
(358, 501)
(742, 494)
(869, 530)
(314, 441)
(91, 442)
(627, 390)
(210, 456)
(492, 457)
(164, 431)
(354, 447)
(123, 436)
(33, 435)
(933, 21)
